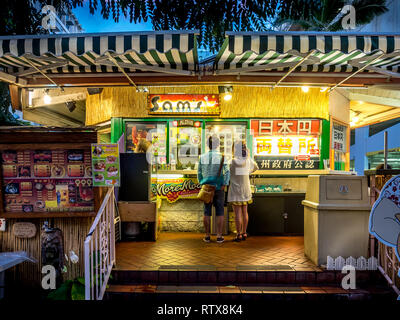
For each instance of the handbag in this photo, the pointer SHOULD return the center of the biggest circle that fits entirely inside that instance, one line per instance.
(207, 191)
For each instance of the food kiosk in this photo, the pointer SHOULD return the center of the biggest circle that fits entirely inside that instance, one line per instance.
(290, 134)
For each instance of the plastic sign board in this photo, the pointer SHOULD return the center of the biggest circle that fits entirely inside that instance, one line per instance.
(339, 137)
(184, 104)
(286, 145)
(105, 165)
(175, 189)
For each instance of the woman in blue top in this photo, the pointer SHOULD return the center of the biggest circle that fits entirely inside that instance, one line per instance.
(208, 174)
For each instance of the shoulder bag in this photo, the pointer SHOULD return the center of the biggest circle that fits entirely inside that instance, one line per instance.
(207, 191)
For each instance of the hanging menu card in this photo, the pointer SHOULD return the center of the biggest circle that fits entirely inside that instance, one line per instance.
(105, 165)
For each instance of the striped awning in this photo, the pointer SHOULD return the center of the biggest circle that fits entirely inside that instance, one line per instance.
(160, 51)
(317, 52)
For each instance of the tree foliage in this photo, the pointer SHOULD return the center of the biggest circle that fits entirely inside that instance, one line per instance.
(214, 17)
(324, 15)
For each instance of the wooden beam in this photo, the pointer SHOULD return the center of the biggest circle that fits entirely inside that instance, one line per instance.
(12, 79)
(373, 99)
(294, 78)
(15, 95)
(49, 117)
(57, 99)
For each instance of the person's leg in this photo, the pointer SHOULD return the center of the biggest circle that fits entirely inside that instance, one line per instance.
(219, 200)
(245, 219)
(238, 219)
(207, 220)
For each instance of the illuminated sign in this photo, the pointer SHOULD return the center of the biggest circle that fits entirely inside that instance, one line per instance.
(286, 145)
(274, 163)
(175, 189)
(182, 104)
(283, 127)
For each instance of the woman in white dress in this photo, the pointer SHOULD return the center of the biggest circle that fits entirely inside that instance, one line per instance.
(239, 194)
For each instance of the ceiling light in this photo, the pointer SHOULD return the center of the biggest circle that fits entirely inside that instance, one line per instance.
(355, 119)
(323, 89)
(305, 89)
(352, 124)
(226, 91)
(227, 96)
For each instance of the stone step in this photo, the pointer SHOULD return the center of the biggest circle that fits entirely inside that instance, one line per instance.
(238, 277)
(218, 294)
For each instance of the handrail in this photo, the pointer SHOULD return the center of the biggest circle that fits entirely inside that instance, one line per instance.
(99, 249)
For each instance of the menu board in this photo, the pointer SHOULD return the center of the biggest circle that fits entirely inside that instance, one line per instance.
(47, 180)
(105, 165)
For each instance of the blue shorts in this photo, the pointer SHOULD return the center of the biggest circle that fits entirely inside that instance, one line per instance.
(218, 202)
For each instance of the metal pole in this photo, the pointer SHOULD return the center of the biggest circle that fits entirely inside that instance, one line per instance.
(385, 149)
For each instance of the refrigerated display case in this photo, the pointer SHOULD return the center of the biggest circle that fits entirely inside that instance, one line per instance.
(154, 132)
(184, 144)
(228, 133)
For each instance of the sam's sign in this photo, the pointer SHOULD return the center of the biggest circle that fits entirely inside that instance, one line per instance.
(175, 189)
(182, 104)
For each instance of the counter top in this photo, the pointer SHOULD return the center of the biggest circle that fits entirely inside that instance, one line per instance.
(269, 172)
(279, 194)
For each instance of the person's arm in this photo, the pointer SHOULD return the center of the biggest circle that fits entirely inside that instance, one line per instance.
(200, 171)
(226, 175)
(253, 166)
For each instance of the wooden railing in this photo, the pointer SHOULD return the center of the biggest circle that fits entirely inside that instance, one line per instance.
(100, 249)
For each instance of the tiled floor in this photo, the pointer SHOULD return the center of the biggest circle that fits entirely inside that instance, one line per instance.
(188, 249)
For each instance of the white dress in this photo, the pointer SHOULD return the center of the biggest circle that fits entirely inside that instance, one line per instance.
(239, 186)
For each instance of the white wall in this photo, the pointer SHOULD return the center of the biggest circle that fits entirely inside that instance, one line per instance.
(365, 144)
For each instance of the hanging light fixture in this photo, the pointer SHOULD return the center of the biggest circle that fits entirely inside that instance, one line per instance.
(226, 91)
(71, 105)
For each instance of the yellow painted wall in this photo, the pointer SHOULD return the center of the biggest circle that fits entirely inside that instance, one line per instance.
(247, 102)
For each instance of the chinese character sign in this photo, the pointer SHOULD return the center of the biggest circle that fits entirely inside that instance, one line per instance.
(286, 145)
(283, 127)
(339, 137)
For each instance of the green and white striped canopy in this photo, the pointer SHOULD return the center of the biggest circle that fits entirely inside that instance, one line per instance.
(164, 51)
(325, 52)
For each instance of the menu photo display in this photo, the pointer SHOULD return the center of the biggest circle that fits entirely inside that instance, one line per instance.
(47, 180)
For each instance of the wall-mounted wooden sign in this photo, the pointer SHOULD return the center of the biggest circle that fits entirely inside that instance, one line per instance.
(24, 230)
(184, 104)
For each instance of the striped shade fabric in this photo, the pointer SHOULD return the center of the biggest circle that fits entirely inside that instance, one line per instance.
(329, 52)
(163, 51)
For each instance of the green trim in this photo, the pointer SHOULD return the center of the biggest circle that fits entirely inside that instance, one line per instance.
(325, 142)
(167, 138)
(117, 129)
(203, 137)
